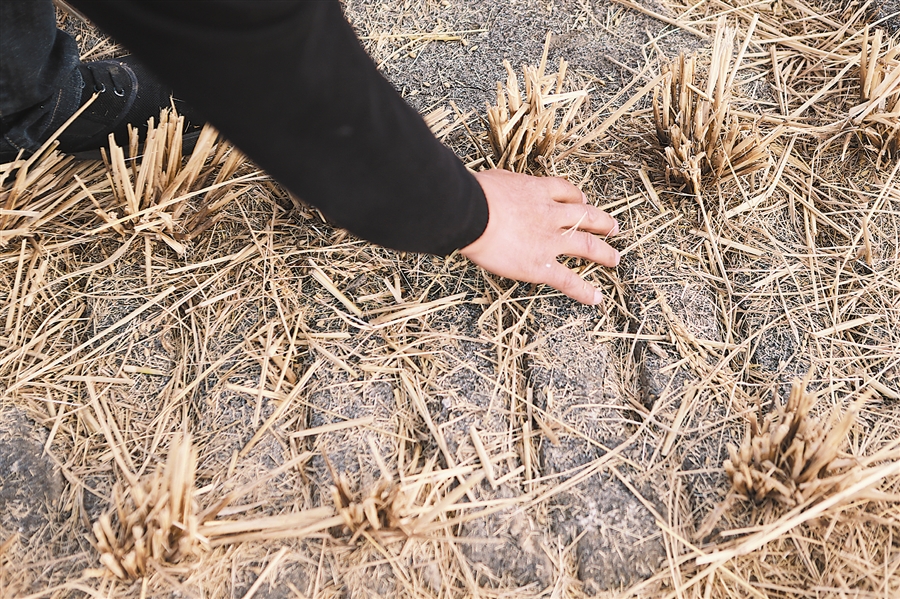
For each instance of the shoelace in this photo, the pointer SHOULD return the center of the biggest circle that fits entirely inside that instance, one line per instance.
(99, 85)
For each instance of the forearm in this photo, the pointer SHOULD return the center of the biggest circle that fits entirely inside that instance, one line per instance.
(289, 84)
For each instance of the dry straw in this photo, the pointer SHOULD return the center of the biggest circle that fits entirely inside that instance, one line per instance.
(525, 130)
(392, 511)
(441, 125)
(153, 520)
(154, 186)
(242, 340)
(145, 192)
(792, 457)
(157, 521)
(786, 456)
(695, 125)
(878, 114)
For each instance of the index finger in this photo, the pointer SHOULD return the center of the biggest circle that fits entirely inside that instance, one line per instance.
(565, 280)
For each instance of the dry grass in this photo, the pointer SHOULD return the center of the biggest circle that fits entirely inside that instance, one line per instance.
(792, 457)
(353, 412)
(526, 130)
(155, 519)
(878, 114)
(696, 127)
(785, 457)
(150, 189)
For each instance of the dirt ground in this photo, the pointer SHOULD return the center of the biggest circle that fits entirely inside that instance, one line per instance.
(511, 442)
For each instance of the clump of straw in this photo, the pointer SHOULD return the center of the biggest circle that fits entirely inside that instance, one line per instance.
(155, 519)
(697, 130)
(384, 510)
(524, 131)
(392, 510)
(146, 192)
(877, 116)
(388, 511)
(154, 186)
(158, 520)
(791, 457)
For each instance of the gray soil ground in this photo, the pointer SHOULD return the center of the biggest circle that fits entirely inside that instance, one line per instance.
(890, 12)
(30, 484)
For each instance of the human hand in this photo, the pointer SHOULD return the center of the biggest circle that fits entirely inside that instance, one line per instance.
(532, 220)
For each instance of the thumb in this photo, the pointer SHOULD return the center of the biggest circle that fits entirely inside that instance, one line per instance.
(563, 279)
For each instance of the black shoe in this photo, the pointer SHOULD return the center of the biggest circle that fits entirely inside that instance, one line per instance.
(127, 94)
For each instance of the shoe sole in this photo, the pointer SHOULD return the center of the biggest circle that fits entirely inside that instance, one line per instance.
(188, 141)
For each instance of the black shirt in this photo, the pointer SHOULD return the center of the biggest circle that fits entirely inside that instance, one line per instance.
(289, 84)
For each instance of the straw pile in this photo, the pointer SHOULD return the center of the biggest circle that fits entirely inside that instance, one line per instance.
(381, 510)
(526, 130)
(697, 129)
(392, 511)
(157, 521)
(878, 114)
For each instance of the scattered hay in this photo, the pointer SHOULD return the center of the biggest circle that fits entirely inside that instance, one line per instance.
(33, 200)
(697, 129)
(242, 318)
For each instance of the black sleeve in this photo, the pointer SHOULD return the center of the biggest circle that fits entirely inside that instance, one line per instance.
(289, 84)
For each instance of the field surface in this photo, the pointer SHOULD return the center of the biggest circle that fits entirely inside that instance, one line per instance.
(206, 390)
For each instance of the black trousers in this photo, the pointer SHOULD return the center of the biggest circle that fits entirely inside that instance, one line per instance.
(287, 82)
(39, 85)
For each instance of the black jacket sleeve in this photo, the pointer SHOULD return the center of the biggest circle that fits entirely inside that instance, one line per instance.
(289, 84)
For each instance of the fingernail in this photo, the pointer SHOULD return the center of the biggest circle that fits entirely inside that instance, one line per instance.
(618, 257)
(615, 228)
(598, 296)
(583, 198)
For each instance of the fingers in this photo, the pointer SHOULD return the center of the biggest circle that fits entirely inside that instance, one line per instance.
(557, 220)
(561, 278)
(562, 191)
(587, 218)
(590, 247)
